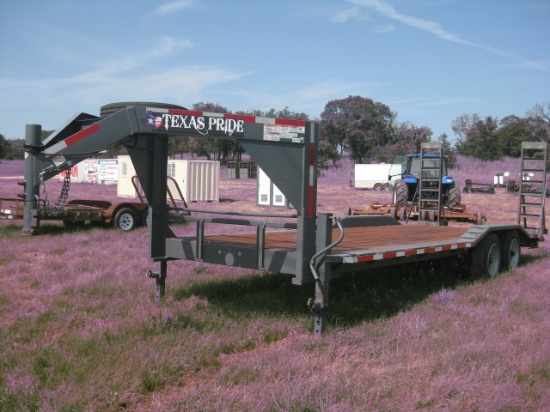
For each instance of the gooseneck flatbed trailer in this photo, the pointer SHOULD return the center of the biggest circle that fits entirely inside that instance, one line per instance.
(309, 246)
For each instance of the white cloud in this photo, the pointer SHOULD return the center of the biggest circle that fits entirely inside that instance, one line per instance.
(174, 6)
(437, 30)
(345, 15)
(385, 29)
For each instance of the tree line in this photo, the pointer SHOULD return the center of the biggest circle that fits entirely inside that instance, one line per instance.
(368, 130)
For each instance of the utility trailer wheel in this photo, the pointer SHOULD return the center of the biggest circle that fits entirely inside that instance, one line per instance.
(144, 217)
(400, 193)
(378, 187)
(112, 108)
(511, 250)
(125, 219)
(487, 257)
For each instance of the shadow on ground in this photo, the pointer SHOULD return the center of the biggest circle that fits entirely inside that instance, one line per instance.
(354, 298)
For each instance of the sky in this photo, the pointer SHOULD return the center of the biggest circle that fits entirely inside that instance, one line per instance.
(429, 61)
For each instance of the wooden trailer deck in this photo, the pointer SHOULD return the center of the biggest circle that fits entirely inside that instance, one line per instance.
(361, 242)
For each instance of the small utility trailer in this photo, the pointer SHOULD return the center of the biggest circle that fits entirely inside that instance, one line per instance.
(122, 215)
(309, 246)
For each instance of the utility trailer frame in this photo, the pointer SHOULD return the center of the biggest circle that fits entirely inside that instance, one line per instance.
(311, 247)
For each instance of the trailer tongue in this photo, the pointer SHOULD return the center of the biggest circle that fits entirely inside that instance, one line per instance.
(307, 245)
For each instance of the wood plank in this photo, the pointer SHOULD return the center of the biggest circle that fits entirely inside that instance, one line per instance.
(357, 238)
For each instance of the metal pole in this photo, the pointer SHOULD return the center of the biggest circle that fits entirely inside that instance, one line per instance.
(31, 222)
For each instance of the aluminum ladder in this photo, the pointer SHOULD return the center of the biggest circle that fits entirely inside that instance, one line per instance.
(429, 184)
(532, 187)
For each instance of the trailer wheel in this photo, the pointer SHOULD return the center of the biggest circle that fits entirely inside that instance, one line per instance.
(378, 187)
(511, 250)
(112, 108)
(400, 192)
(455, 197)
(487, 257)
(144, 217)
(125, 219)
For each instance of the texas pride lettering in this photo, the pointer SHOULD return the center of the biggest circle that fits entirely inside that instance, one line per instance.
(203, 125)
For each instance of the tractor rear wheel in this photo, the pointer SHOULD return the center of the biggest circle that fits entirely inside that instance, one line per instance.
(455, 197)
(400, 193)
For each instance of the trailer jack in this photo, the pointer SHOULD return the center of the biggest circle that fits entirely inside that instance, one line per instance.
(160, 278)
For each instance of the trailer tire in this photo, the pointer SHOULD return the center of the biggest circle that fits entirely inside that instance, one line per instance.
(511, 250)
(125, 219)
(144, 217)
(378, 187)
(487, 257)
(112, 108)
(400, 193)
(455, 197)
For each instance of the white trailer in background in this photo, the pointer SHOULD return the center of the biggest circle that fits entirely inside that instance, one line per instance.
(374, 176)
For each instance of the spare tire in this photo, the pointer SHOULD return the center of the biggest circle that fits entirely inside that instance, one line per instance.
(112, 108)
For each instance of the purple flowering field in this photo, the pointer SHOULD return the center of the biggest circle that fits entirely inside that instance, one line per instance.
(80, 330)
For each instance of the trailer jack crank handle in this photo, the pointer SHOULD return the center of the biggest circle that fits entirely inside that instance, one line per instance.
(160, 278)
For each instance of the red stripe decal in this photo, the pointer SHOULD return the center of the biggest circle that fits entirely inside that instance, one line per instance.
(389, 255)
(311, 154)
(82, 134)
(410, 252)
(247, 119)
(290, 122)
(311, 205)
(367, 258)
(186, 112)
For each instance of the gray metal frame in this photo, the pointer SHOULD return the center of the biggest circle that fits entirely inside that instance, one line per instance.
(285, 150)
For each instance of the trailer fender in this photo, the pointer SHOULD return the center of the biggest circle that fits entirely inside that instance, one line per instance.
(487, 257)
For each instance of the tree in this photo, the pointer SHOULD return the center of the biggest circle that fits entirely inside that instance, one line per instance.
(513, 130)
(481, 140)
(358, 123)
(538, 119)
(447, 149)
(463, 126)
(5, 147)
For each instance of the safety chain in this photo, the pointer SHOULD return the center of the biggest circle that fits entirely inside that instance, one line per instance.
(53, 210)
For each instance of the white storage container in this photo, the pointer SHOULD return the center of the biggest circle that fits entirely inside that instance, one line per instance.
(198, 180)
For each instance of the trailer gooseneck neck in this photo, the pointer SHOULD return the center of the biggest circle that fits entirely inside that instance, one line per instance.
(286, 150)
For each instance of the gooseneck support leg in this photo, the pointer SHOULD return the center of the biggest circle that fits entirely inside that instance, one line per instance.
(160, 278)
(321, 271)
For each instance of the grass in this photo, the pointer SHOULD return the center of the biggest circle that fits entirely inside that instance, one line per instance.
(80, 331)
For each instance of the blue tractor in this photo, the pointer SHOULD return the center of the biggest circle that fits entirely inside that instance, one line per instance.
(405, 187)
